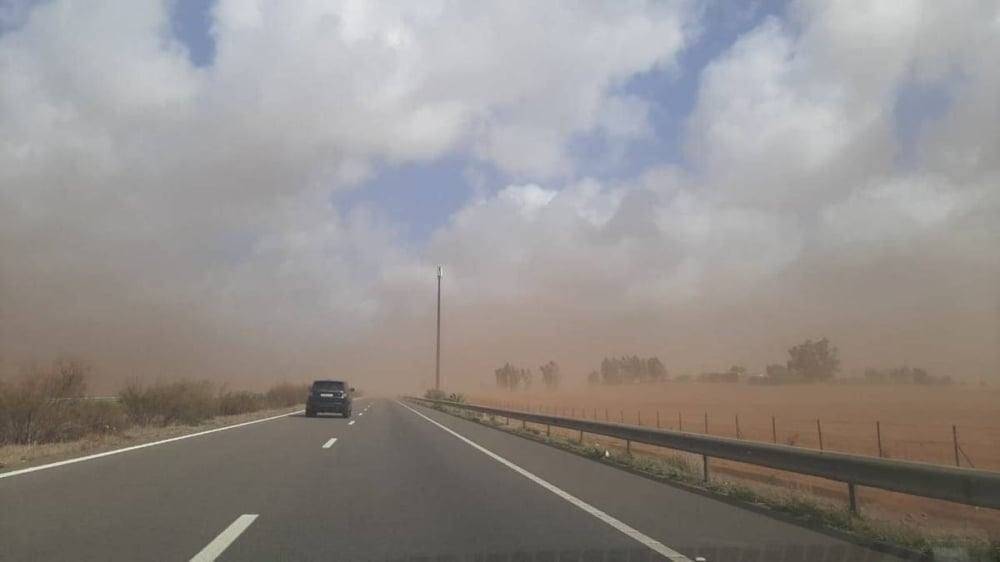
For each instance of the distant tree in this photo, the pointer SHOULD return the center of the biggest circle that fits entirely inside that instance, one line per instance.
(814, 361)
(631, 369)
(610, 371)
(594, 378)
(510, 377)
(525, 378)
(507, 376)
(778, 374)
(550, 375)
(776, 371)
(875, 376)
(903, 375)
(657, 372)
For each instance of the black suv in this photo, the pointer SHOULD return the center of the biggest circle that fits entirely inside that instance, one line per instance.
(329, 396)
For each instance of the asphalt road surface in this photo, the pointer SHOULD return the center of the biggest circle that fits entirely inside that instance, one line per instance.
(399, 483)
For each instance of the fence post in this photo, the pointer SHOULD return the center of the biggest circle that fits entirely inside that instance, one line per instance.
(572, 412)
(628, 446)
(548, 430)
(774, 431)
(606, 418)
(852, 497)
(954, 440)
(657, 419)
(595, 414)
(621, 416)
(639, 417)
(738, 436)
(706, 423)
(680, 422)
(878, 437)
(819, 431)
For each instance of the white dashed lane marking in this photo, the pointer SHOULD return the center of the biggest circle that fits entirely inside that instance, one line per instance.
(225, 538)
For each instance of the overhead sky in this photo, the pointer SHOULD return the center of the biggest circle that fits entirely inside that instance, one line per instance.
(252, 190)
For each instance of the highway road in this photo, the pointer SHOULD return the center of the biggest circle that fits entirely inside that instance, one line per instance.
(396, 482)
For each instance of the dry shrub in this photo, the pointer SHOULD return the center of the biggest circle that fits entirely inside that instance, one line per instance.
(48, 405)
(243, 402)
(286, 394)
(181, 402)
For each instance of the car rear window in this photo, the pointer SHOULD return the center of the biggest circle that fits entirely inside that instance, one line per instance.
(328, 385)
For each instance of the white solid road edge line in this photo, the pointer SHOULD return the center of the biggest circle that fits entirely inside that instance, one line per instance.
(646, 540)
(142, 446)
(330, 443)
(218, 545)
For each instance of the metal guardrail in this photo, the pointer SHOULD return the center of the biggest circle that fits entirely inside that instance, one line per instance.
(962, 485)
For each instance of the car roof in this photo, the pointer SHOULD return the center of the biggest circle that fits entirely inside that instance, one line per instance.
(327, 380)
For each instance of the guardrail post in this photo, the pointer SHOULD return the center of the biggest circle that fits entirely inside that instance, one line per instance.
(738, 436)
(774, 431)
(657, 419)
(680, 421)
(581, 437)
(852, 498)
(706, 423)
(548, 430)
(819, 431)
(628, 446)
(954, 440)
(704, 468)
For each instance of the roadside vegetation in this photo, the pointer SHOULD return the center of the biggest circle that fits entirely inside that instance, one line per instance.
(435, 394)
(51, 405)
(681, 470)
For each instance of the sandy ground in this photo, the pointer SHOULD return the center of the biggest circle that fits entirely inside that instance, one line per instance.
(13, 457)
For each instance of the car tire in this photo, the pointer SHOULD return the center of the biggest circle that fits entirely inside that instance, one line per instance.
(310, 414)
(347, 414)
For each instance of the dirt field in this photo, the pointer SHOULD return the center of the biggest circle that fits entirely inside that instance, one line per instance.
(915, 424)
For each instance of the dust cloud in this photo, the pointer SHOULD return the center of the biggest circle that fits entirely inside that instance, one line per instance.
(161, 219)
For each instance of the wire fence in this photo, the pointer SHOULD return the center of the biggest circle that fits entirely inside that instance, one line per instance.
(971, 446)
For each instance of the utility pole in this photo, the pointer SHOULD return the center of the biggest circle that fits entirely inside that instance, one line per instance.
(437, 361)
